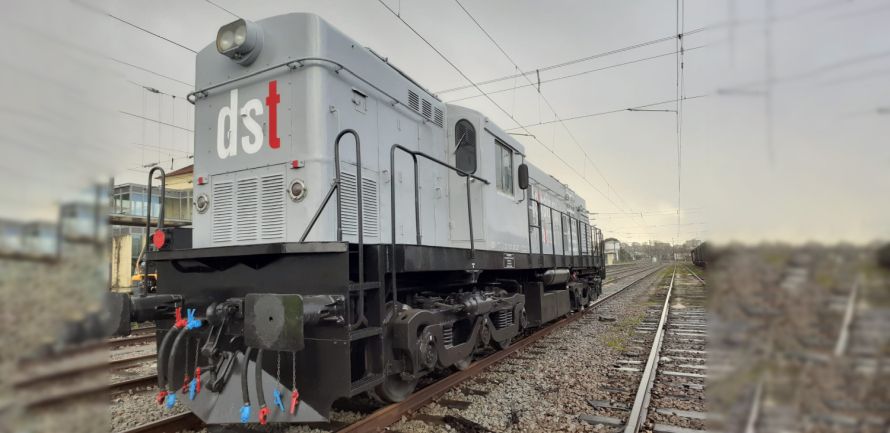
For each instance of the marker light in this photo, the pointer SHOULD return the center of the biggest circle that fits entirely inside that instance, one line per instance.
(202, 203)
(159, 238)
(297, 190)
(240, 40)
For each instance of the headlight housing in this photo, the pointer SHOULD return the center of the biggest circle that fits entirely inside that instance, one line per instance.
(297, 190)
(240, 40)
(202, 203)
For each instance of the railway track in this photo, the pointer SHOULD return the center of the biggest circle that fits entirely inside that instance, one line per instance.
(617, 275)
(386, 416)
(82, 374)
(669, 397)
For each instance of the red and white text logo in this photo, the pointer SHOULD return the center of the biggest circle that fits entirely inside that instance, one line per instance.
(228, 138)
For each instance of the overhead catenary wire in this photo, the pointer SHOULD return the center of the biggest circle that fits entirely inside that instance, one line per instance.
(155, 121)
(223, 9)
(578, 60)
(152, 33)
(607, 112)
(493, 102)
(541, 97)
(578, 74)
(150, 71)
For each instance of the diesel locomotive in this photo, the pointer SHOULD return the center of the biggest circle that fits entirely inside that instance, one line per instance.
(351, 233)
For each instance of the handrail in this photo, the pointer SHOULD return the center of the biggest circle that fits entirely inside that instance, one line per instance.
(298, 63)
(321, 208)
(361, 234)
(392, 205)
(148, 218)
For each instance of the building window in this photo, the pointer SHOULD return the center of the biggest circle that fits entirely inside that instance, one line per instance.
(465, 146)
(504, 168)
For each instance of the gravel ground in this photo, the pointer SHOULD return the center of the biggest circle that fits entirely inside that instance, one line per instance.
(138, 407)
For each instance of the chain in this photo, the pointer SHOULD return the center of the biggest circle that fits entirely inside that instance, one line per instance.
(293, 382)
(278, 374)
(187, 341)
(197, 352)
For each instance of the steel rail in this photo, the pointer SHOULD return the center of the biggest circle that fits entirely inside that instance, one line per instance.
(131, 340)
(170, 424)
(641, 401)
(625, 273)
(849, 312)
(696, 276)
(388, 415)
(50, 376)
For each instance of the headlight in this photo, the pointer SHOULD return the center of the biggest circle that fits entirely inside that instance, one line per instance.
(202, 203)
(225, 41)
(297, 190)
(240, 40)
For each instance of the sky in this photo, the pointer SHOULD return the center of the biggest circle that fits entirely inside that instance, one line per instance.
(782, 137)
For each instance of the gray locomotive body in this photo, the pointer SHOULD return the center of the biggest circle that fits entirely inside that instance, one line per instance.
(351, 232)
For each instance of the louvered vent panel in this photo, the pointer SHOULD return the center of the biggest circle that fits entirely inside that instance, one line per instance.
(223, 207)
(438, 117)
(272, 203)
(427, 109)
(348, 218)
(350, 205)
(413, 101)
(247, 209)
(369, 204)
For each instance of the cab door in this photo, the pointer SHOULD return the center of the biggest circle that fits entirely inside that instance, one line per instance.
(464, 154)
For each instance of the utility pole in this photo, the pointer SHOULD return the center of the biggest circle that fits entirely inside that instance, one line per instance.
(768, 65)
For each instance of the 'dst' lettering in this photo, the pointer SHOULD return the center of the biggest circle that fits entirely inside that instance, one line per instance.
(227, 138)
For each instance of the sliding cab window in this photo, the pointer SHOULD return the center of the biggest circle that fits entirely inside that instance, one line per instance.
(504, 168)
(465, 146)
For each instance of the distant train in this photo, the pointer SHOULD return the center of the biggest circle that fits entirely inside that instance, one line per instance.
(351, 233)
(700, 255)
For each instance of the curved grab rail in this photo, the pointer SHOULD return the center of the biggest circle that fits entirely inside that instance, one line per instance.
(392, 206)
(298, 63)
(148, 217)
(359, 211)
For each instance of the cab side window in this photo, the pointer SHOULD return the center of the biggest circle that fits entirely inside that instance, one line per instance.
(465, 146)
(504, 169)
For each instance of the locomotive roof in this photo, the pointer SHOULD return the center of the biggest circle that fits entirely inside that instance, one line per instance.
(310, 39)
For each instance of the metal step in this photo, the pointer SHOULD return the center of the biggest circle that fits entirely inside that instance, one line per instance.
(365, 384)
(368, 285)
(365, 333)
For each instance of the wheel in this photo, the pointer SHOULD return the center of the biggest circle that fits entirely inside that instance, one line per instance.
(464, 364)
(501, 345)
(395, 389)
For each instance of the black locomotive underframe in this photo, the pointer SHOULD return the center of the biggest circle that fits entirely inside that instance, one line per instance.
(203, 276)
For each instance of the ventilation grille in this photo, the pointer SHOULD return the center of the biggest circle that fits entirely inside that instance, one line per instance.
(223, 208)
(248, 209)
(272, 206)
(246, 213)
(427, 109)
(413, 101)
(350, 204)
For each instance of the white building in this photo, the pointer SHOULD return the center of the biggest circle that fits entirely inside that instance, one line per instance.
(612, 249)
